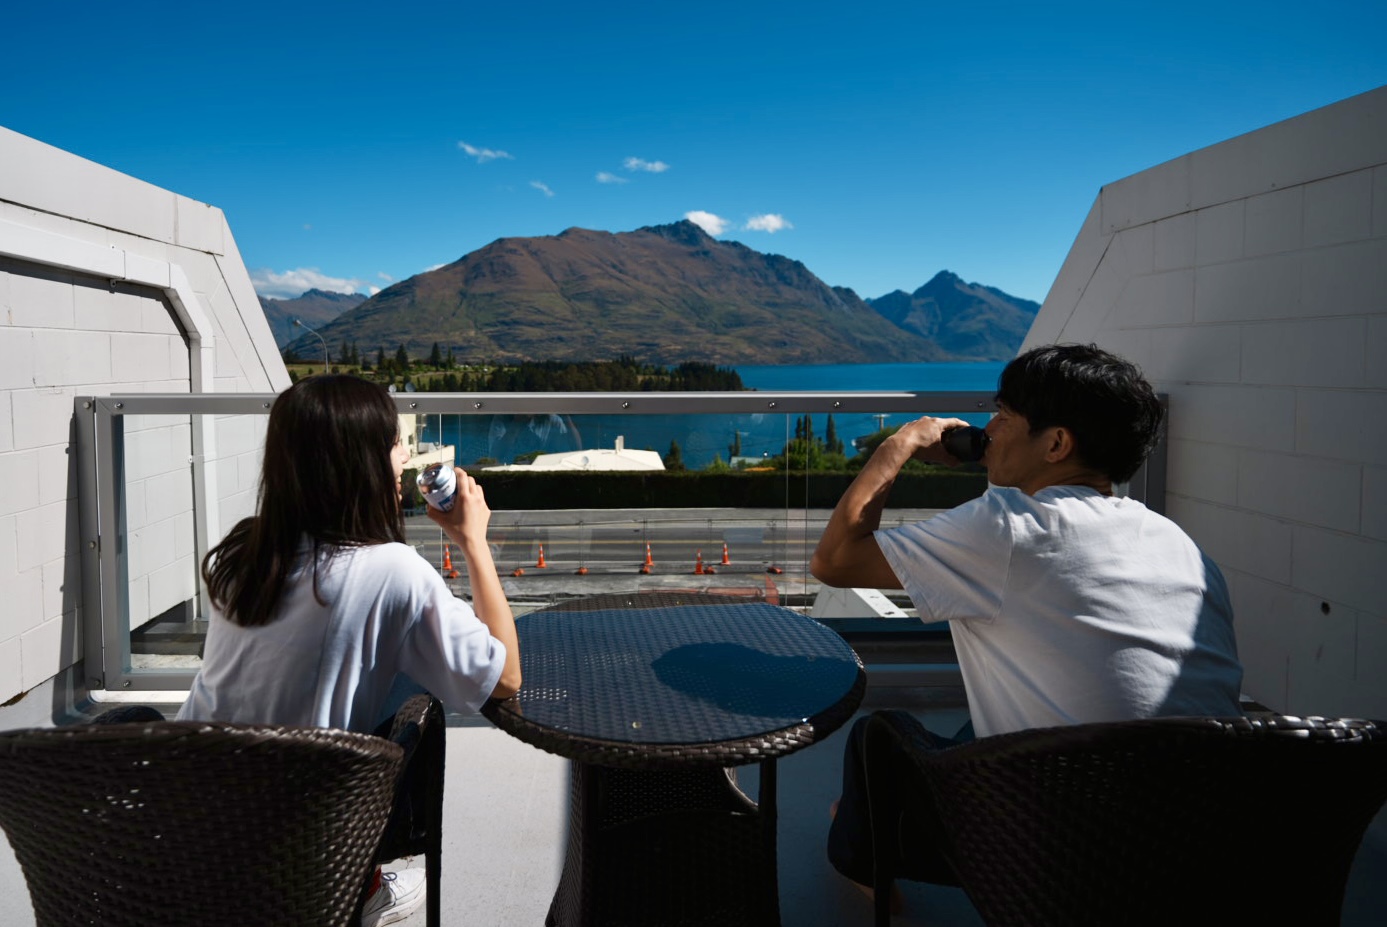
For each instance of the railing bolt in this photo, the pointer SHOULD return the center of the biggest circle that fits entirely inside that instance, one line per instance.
(771, 404)
(125, 685)
(476, 405)
(626, 405)
(414, 405)
(86, 405)
(837, 404)
(120, 405)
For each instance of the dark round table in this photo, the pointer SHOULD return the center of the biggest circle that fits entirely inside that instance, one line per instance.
(655, 696)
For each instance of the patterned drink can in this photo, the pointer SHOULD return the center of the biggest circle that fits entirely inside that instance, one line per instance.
(439, 486)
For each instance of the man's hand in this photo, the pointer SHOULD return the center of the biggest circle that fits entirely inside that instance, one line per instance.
(923, 439)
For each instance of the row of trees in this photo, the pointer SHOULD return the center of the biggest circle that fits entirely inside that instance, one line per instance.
(806, 451)
(441, 373)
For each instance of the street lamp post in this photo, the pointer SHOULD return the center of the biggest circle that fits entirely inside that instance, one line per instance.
(326, 363)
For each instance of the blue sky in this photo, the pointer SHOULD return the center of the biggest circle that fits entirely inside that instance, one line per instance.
(352, 145)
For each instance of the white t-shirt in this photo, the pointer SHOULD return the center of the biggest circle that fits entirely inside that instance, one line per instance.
(332, 665)
(1070, 606)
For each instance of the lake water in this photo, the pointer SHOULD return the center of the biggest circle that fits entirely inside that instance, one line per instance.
(701, 437)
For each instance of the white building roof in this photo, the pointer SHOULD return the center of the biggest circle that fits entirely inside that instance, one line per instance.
(618, 458)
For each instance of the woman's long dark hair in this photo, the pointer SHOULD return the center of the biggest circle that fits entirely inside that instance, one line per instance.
(326, 475)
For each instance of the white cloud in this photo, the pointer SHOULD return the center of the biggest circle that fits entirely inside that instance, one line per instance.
(606, 177)
(542, 187)
(432, 267)
(384, 276)
(771, 222)
(292, 283)
(713, 225)
(640, 164)
(484, 155)
(372, 290)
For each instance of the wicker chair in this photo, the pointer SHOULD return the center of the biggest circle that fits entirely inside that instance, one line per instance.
(172, 823)
(1169, 821)
(416, 822)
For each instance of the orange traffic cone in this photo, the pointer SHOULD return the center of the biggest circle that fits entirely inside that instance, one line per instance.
(518, 571)
(725, 561)
(698, 564)
(648, 561)
(448, 570)
(540, 564)
(581, 571)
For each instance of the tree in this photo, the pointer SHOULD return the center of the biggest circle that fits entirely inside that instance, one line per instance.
(674, 460)
(735, 448)
(436, 357)
(380, 358)
(832, 443)
(401, 359)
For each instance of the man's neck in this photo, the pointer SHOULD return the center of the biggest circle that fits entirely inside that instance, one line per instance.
(1069, 477)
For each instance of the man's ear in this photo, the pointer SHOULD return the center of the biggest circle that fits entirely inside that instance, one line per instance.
(1062, 446)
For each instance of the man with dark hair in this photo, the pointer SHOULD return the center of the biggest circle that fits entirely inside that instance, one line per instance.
(1067, 604)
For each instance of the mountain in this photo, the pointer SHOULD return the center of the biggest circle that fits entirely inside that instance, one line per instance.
(660, 294)
(965, 319)
(316, 308)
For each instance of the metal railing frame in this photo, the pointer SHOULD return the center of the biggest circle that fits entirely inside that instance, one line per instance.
(101, 468)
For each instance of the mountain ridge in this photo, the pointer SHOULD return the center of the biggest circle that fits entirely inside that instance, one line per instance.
(667, 294)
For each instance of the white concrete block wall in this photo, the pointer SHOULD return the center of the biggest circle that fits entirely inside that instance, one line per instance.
(1263, 314)
(67, 331)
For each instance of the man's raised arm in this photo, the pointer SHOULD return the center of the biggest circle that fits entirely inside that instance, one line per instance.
(848, 554)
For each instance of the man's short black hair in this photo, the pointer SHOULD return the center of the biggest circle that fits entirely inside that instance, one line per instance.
(1103, 400)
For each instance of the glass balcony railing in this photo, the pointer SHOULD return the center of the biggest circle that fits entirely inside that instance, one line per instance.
(582, 501)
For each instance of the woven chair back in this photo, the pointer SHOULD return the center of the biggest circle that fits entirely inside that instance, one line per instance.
(1239, 820)
(176, 823)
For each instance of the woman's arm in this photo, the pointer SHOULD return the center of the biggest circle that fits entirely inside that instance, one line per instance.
(466, 527)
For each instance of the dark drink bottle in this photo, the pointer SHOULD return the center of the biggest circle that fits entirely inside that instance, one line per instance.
(966, 443)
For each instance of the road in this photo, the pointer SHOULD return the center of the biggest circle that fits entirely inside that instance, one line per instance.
(765, 549)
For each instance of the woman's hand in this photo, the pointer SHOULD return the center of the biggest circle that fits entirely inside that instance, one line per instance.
(466, 523)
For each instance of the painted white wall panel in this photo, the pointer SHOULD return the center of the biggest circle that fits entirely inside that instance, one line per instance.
(1343, 425)
(1375, 506)
(1238, 416)
(1218, 233)
(43, 533)
(140, 358)
(1311, 490)
(1257, 288)
(57, 475)
(1173, 242)
(1317, 353)
(17, 358)
(23, 597)
(1250, 542)
(1380, 201)
(1339, 209)
(1322, 651)
(68, 357)
(44, 299)
(1275, 222)
(48, 648)
(11, 664)
(1341, 567)
(19, 480)
(1346, 279)
(1370, 695)
(1155, 299)
(1153, 194)
(1202, 470)
(1262, 621)
(1206, 354)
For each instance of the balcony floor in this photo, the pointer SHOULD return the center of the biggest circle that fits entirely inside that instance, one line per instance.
(505, 809)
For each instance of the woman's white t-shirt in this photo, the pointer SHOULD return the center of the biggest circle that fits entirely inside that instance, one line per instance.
(387, 611)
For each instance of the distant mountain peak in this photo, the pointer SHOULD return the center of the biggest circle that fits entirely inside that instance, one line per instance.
(684, 231)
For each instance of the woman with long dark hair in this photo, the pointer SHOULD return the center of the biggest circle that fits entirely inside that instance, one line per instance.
(318, 601)
(319, 605)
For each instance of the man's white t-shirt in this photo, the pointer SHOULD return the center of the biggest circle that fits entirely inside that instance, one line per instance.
(314, 665)
(1070, 606)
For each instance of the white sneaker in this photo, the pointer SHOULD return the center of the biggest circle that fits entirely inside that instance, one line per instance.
(400, 892)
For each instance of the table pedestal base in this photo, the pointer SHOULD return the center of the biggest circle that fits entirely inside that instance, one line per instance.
(668, 848)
